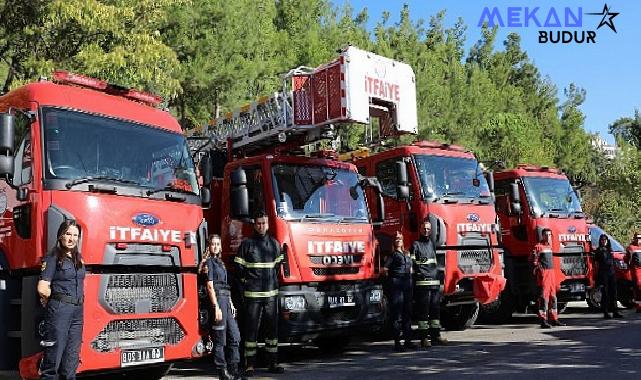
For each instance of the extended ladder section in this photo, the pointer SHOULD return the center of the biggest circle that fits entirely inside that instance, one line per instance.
(313, 102)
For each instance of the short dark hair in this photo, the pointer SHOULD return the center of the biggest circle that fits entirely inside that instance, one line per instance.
(260, 214)
(427, 220)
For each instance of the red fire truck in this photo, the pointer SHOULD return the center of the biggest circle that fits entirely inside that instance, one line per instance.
(530, 199)
(316, 204)
(444, 183)
(81, 148)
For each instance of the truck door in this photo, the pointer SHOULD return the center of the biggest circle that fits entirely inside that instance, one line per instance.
(396, 211)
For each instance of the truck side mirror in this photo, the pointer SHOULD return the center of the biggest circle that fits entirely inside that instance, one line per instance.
(515, 199)
(489, 177)
(380, 205)
(7, 136)
(206, 170)
(205, 197)
(402, 187)
(239, 194)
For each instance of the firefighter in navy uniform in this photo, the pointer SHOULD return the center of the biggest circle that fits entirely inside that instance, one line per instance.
(61, 290)
(398, 268)
(606, 277)
(427, 288)
(225, 334)
(543, 263)
(259, 260)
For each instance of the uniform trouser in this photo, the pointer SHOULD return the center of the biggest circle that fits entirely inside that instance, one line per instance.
(428, 305)
(225, 334)
(63, 335)
(609, 293)
(636, 280)
(261, 312)
(401, 307)
(547, 295)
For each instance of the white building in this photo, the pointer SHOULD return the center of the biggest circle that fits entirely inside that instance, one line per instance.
(610, 151)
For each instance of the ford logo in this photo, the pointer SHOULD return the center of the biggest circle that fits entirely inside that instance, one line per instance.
(571, 229)
(145, 219)
(473, 217)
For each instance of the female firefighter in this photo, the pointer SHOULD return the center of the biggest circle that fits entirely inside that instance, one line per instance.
(61, 290)
(543, 263)
(605, 277)
(633, 258)
(398, 268)
(225, 333)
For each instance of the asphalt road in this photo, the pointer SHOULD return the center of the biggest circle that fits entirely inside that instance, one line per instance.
(588, 348)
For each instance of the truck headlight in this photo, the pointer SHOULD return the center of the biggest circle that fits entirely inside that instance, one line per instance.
(294, 303)
(375, 296)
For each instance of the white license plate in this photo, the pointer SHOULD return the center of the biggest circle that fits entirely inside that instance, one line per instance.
(341, 301)
(142, 356)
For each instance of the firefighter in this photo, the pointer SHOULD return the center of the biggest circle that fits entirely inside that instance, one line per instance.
(398, 269)
(61, 290)
(543, 263)
(605, 277)
(427, 288)
(633, 258)
(225, 332)
(259, 259)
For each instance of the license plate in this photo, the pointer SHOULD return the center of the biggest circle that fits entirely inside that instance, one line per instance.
(577, 288)
(142, 356)
(341, 301)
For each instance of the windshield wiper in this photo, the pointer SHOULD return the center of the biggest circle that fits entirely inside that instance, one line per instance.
(79, 181)
(318, 216)
(352, 218)
(170, 188)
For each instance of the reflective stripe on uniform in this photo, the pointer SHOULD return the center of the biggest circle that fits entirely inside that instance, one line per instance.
(413, 257)
(271, 342)
(251, 344)
(423, 325)
(270, 293)
(435, 324)
(250, 352)
(265, 265)
(427, 282)
(271, 349)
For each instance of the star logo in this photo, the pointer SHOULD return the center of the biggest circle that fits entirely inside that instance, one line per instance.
(607, 18)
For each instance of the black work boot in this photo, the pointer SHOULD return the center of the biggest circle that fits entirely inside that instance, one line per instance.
(397, 346)
(607, 316)
(235, 372)
(556, 322)
(439, 341)
(410, 345)
(275, 368)
(223, 374)
(545, 324)
(425, 343)
(617, 315)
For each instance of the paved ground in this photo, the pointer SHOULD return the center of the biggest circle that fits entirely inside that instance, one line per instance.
(588, 348)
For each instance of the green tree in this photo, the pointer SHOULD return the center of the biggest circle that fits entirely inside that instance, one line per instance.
(628, 129)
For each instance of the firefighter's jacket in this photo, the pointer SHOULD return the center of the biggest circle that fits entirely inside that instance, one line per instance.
(425, 264)
(258, 260)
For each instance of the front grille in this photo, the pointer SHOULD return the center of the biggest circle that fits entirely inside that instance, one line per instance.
(141, 292)
(135, 333)
(574, 265)
(334, 271)
(475, 261)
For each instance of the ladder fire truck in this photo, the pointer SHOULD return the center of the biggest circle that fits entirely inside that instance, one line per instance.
(263, 160)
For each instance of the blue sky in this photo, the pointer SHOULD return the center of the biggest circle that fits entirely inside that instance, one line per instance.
(610, 70)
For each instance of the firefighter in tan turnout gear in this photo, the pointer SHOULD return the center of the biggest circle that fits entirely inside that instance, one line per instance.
(427, 288)
(259, 259)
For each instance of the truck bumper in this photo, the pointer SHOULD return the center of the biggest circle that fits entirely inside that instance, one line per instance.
(329, 309)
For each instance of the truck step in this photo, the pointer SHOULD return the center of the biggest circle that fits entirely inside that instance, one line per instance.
(14, 334)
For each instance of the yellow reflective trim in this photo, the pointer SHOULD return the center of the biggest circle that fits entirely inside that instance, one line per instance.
(435, 323)
(427, 283)
(272, 349)
(266, 265)
(251, 352)
(426, 261)
(270, 293)
(251, 344)
(423, 325)
(413, 257)
(272, 342)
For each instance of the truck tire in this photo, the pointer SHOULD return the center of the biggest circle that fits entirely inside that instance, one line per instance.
(459, 317)
(498, 312)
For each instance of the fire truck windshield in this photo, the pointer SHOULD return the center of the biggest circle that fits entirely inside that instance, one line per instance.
(319, 194)
(450, 177)
(81, 147)
(551, 195)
